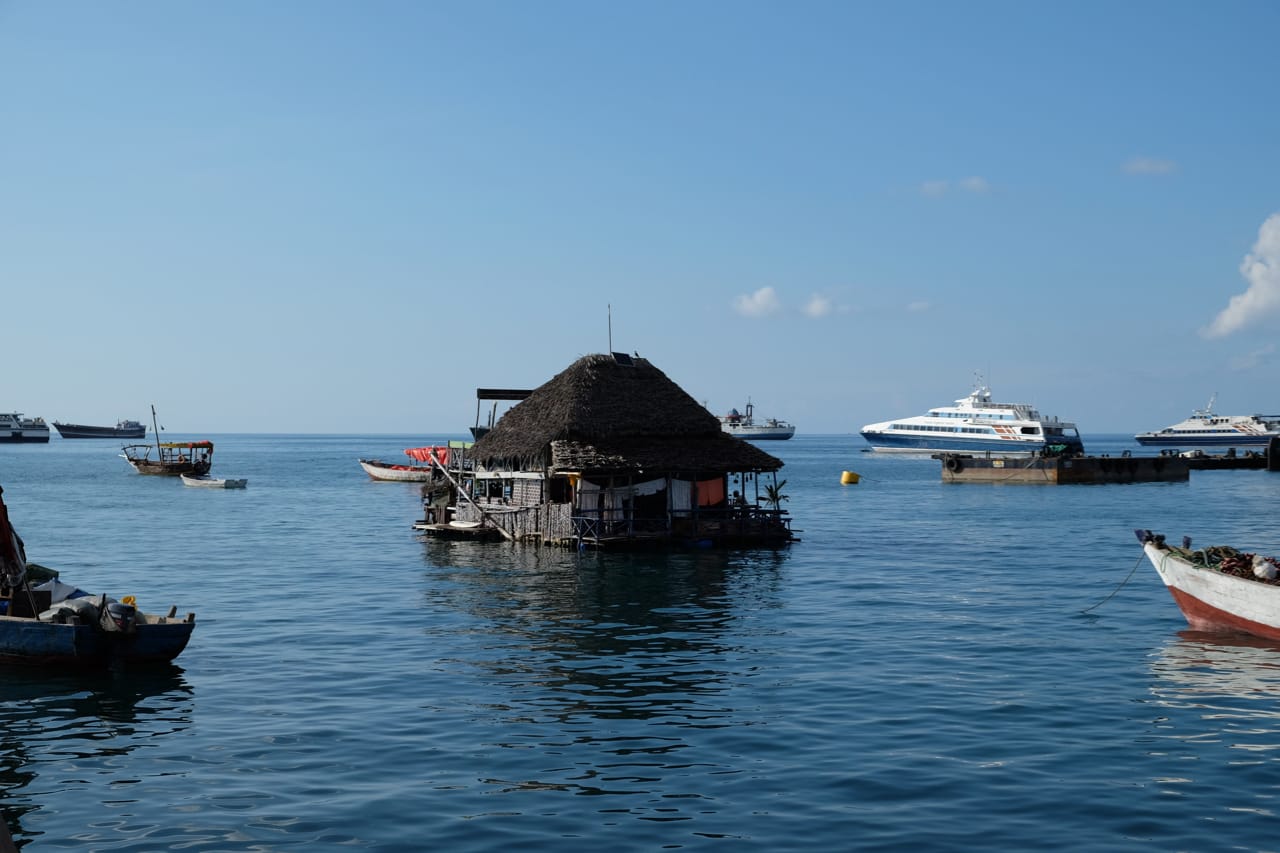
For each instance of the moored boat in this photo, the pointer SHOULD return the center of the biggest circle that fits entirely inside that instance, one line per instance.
(1206, 429)
(172, 458)
(207, 482)
(395, 472)
(122, 429)
(46, 622)
(15, 428)
(743, 425)
(976, 423)
(1218, 588)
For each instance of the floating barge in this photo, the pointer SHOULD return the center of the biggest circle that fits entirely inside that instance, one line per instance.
(1062, 470)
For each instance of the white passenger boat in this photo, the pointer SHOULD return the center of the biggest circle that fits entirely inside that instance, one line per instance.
(14, 428)
(743, 425)
(976, 424)
(1205, 429)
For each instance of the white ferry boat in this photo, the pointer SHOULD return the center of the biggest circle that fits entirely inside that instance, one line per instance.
(1205, 429)
(976, 424)
(743, 425)
(16, 428)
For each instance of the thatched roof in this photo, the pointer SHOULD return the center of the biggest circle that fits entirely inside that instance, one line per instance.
(600, 415)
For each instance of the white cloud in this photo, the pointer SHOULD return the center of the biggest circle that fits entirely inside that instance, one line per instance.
(1261, 269)
(935, 188)
(1149, 166)
(975, 184)
(1257, 358)
(818, 306)
(759, 304)
(918, 306)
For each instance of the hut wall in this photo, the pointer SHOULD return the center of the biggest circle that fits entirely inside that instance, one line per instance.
(526, 492)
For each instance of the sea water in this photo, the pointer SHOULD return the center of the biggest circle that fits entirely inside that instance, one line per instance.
(931, 667)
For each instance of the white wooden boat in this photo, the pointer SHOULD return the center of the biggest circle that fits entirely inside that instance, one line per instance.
(379, 470)
(204, 481)
(1218, 589)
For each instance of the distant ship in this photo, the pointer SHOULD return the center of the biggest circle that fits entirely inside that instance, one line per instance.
(122, 429)
(1205, 429)
(975, 423)
(743, 425)
(14, 428)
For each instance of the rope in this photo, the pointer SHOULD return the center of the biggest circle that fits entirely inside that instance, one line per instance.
(1141, 557)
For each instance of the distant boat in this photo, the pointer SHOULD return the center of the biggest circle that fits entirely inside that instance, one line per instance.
(207, 482)
(1205, 429)
(975, 423)
(1218, 588)
(15, 429)
(435, 457)
(122, 429)
(48, 623)
(743, 425)
(172, 458)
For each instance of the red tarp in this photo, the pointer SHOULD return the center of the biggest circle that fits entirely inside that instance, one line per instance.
(429, 454)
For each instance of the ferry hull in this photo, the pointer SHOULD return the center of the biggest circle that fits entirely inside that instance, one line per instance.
(762, 434)
(1236, 440)
(24, 437)
(932, 444)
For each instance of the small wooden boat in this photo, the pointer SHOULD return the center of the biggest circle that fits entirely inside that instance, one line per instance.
(390, 471)
(1218, 589)
(172, 458)
(204, 481)
(45, 622)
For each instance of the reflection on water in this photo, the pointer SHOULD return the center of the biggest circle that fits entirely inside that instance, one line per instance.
(1220, 688)
(79, 718)
(1203, 667)
(609, 670)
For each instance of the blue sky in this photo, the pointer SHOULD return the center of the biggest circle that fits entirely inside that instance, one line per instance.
(344, 217)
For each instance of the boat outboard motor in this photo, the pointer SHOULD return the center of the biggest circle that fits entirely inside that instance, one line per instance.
(119, 618)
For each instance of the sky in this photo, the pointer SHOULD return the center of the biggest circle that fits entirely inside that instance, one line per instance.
(344, 217)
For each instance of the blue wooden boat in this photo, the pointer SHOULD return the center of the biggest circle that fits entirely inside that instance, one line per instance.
(44, 622)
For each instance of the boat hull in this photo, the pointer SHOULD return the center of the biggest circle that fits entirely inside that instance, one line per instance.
(169, 469)
(761, 433)
(30, 642)
(1216, 602)
(24, 436)
(900, 443)
(396, 473)
(213, 482)
(85, 431)
(1239, 439)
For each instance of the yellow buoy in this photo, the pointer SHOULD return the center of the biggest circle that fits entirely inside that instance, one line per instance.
(849, 478)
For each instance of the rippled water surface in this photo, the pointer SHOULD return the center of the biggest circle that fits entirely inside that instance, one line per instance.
(934, 667)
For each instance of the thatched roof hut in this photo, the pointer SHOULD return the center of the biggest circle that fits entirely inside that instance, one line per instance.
(619, 416)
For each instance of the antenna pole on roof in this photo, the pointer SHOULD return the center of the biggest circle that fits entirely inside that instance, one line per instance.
(610, 309)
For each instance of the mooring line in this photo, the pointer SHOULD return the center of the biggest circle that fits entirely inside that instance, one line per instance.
(1141, 557)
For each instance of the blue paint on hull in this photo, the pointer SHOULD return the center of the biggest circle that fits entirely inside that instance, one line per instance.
(937, 444)
(1239, 440)
(32, 642)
